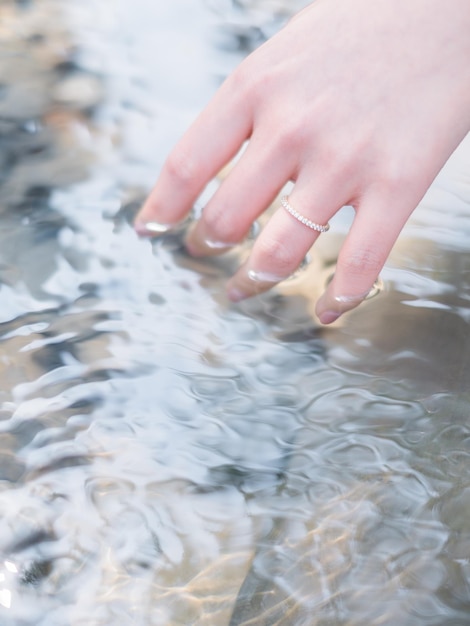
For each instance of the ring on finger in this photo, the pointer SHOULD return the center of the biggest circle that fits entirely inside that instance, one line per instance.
(321, 228)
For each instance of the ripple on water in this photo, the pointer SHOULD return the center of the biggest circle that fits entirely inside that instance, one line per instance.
(167, 458)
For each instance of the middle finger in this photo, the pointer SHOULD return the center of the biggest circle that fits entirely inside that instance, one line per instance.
(247, 191)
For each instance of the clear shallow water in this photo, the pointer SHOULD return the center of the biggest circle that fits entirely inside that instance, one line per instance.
(167, 458)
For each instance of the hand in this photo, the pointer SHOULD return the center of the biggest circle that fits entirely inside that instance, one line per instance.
(357, 102)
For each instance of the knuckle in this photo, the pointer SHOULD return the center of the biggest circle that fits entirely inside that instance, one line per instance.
(366, 261)
(393, 175)
(242, 83)
(220, 225)
(252, 81)
(181, 168)
(289, 137)
(389, 182)
(278, 256)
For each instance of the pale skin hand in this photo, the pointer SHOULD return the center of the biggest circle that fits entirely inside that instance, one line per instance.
(358, 102)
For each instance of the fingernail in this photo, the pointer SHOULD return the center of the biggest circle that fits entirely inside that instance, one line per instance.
(197, 244)
(351, 299)
(217, 245)
(152, 228)
(264, 277)
(328, 317)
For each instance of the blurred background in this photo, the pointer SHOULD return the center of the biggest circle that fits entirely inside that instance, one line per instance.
(168, 458)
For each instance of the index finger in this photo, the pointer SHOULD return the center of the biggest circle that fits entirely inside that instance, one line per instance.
(211, 141)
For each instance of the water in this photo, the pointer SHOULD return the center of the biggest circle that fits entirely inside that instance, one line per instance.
(168, 458)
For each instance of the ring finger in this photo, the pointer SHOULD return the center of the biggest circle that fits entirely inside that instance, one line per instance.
(285, 240)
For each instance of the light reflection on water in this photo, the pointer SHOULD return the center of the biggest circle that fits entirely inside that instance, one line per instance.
(167, 458)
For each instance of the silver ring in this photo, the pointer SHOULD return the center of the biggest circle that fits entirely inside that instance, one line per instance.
(321, 228)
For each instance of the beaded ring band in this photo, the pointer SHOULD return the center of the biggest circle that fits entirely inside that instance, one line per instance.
(321, 228)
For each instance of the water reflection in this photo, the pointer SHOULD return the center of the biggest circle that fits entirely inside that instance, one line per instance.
(166, 457)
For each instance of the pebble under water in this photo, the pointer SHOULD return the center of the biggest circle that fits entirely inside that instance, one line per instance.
(168, 458)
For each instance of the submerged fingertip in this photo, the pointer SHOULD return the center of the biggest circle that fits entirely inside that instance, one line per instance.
(235, 294)
(328, 317)
(150, 228)
(264, 277)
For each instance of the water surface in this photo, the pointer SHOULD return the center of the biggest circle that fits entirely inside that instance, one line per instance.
(168, 458)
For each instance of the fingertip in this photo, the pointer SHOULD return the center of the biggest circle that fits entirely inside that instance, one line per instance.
(150, 228)
(148, 223)
(238, 290)
(328, 317)
(332, 305)
(199, 244)
(235, 294)
(145, 223)
(247, 283)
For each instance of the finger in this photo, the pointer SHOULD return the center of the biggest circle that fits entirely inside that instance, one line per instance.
(363, 254)
(284, 242)
(247, 191)
(210, 142)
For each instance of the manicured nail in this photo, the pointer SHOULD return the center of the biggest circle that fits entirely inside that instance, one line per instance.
(217, 245)
(328, 317)
(264, 277)
(152, 228)
(351, 299)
